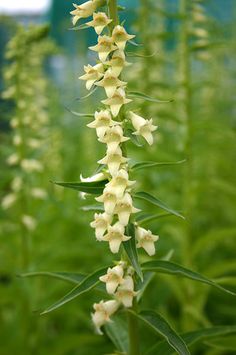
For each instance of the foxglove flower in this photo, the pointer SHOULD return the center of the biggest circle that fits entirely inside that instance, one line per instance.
(113, 137)
(113, 278)
(109, 199)
(116, 101)
(102, 122)
(124, 208)
(115, 236)
(113, 160)
(125, 292)
(110, 83)
(103, 311)
(99, 22)
(82, 11)
(120, 37)
(92, 74)
(143, 127)
(117, 62)
(120, 183)
(101, 223)
(146, 240)
(104, 47)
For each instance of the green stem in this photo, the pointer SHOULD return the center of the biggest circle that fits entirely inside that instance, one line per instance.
(113, 13)
(133, 332)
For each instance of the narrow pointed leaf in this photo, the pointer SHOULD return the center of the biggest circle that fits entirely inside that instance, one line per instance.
(191, 338)
(167, 267)
(131, 250)
(118, 333)
(155, 201)
(134, 139)
(162, 327)
(66, 276)
(84, 286)
(150, 164)
(140, 55)
(78, 28)
(94, 187)
(80, 114)
(147, 217)
(86, 96)
(142, 285)
(143, 96)
(135, 44)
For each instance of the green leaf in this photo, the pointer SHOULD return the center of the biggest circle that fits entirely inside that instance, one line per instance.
(80, 27)
(223, 343)
(140, 55)
(85, 285)
(147, 217)
(135, 44)
(131, 250)
(162, 327)
(150, 164)
(168, 267)
(134, 139)
(80, 114)
(66, 276)
(94, 187)
(140, 95)
(142, 285)
(155, 201)
(118, 333)
(191, 338)
(86, 96)
(92, 208)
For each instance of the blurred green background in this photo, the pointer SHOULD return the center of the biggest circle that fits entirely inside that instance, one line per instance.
(186, 53)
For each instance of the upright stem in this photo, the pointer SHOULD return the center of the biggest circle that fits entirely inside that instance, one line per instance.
(132, 321)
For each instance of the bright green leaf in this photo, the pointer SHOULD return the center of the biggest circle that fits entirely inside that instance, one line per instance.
(94, 187)
(155, 201)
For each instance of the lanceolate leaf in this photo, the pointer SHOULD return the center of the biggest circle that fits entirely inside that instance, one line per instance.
(130, 248)
(147, 217)
(80, 114)
(142, 285)
(167, 267)
(134, 139)
(162, 327)
(155, 201)
(118, 333)
(66, 276)
(140, 95)
(80, 27)
(192, 337)
(84, 286)
(150, 164)
(95, 187)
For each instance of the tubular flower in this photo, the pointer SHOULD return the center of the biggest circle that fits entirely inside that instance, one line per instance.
(103, 47)
(113, 137)
(110, 83)
(143, 127)
(103, 311)
(146, 240)
(124, 208)
(113, 278)
(92, 74)
(120, 183)
(113, 160)
(99, 22)
(117, 62)
(115, 236)
(96, 177)
(83, 10)
(101, 223)
(120, 36)
(125, 292)
(116, 101)
(109, 199)
(102, 122)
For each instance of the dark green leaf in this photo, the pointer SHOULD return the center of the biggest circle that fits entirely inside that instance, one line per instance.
(191, 338)
(147, 217)
(134, 139)
(155, 201)
(84, 286)
(95, 187)
(162, 327)
(140, 95)
(130, 248)
(142, 285)
(150, 164)
(168, 267)
(118, 333)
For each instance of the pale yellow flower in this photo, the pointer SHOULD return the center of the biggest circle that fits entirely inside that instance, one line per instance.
(143, 127)
(99, 22)
(82, 11)
(103, 47)
(115, 236)
(92, 74)
(117, 62)
(116, 101)
(120, 183)
(113, 137)
(101, 223)
(103, 311)
(102, 122)
(120, 36)
(113, 160)
(124, 208)
(110, 83)
(146, 240)
(125, 292)
(113, 278)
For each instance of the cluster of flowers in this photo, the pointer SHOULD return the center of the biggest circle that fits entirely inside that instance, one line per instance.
(25, 83)
(110, 226)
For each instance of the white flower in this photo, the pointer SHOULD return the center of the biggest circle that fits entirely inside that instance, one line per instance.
(115, 236)
(117, 62)
(103, 311)
(146, 240)
(120, 36)
(120, 182)
(39, 193)
(113, 137)
(125, 292)
(82, 11)
(124, 208)
(143, 127)
(110, 83)
(8, 201)
(109, 199)
(103, 47)
(13, 159)
(96, 177)
(92, 74)
(31, 165)
(29, 222)
(102, 122)
(113, 278)
(117, 100)
(113, 161)
(99, 22)
(101, 223)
